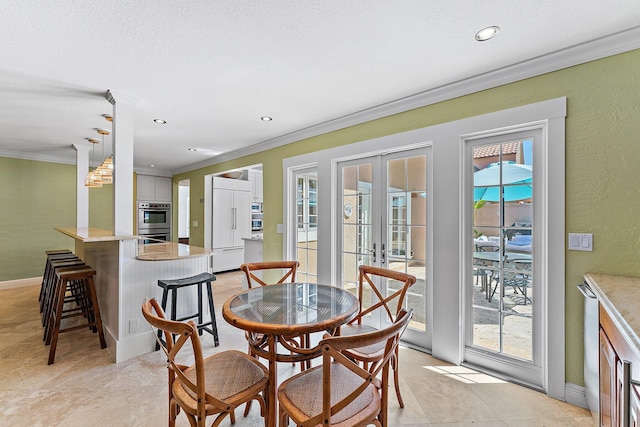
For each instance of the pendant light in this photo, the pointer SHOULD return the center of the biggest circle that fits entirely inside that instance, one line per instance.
(106, 175)
(107, 164)
(93, 179)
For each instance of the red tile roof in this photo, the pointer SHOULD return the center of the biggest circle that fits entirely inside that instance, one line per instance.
(493, 149)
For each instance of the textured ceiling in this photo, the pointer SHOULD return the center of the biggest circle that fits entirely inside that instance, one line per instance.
(211, 69)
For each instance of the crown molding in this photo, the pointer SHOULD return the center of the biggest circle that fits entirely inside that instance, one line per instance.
(153, 171)
(37, 157)
(65, 160)
(83, 147)
(114, 96)
(603, 47)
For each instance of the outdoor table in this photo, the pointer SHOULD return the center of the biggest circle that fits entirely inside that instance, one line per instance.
(521, 261)
(273, 313)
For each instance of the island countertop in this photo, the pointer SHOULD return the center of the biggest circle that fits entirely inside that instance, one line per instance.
(169, 251)
(146, 252)
(89, 234)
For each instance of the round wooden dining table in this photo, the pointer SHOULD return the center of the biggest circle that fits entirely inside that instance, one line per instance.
(274, 314)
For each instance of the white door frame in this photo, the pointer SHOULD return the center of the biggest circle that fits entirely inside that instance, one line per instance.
(531, 373)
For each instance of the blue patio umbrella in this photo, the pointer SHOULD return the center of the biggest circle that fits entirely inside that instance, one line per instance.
(516, 182)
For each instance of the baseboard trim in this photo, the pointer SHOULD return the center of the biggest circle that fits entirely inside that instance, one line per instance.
(134, 346)
(20, 283)
(576, 395)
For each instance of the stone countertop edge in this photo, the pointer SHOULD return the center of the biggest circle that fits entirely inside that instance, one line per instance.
(619, 295)
(90, 234)
(170, 251)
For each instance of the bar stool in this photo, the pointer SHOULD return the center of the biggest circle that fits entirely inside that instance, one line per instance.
(198, 280)
(57, 254)
(70, 294)
(80, 282)
(48, 288)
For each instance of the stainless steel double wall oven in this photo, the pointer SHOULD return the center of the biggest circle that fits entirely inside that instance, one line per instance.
(154, 220)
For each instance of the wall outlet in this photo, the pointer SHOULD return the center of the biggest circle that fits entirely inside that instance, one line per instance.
(581, 242)
(194, 224)
(279, 228)
(133, 325)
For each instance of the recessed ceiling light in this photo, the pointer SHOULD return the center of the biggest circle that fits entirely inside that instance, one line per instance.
(152, 166)
(160, 121)
(487, 33)
(192, 149)
(266, 118)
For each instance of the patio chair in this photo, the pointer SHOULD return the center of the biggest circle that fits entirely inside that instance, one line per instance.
(214, 385)
(340, 392)
(369, 276)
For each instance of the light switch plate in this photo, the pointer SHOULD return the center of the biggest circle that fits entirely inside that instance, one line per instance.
(581, 242)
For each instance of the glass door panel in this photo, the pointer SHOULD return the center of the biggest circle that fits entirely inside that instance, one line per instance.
(501, 297)
(307, 225)
(357, 222)
(406, 228)
(384, 223)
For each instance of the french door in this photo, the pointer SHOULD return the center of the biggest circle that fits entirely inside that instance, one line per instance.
(503, 290)
(384, 221)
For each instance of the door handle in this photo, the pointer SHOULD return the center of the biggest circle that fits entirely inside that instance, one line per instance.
(233, 218)
(626, 388)
(373, 252)
(382, 254)
(586, 291)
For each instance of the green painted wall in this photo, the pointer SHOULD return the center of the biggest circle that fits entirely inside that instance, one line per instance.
(36, 197)
(602, 173)
(602, 179)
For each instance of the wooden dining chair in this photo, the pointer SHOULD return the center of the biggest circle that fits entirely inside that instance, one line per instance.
(215, 385)
(390, 305)
(340, 392)
(286, 268)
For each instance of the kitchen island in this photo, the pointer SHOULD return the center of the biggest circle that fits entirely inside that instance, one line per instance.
(127, 273)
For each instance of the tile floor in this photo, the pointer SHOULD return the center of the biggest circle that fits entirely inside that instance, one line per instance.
(83, 387)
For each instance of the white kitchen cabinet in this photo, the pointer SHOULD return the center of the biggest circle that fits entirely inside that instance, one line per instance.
(255, 178)
(153, 188)
(231, 222)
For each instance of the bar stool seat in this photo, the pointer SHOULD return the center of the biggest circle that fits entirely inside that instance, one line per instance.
(198, 280)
